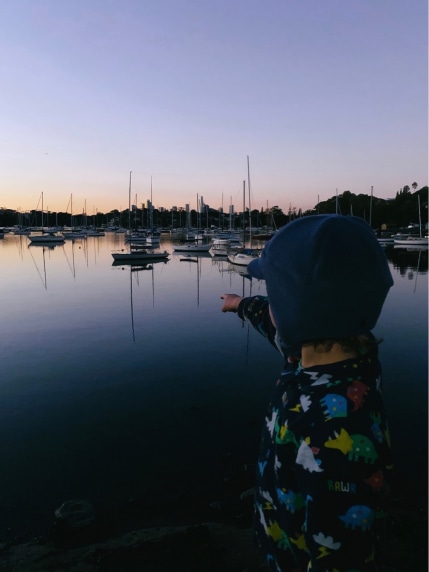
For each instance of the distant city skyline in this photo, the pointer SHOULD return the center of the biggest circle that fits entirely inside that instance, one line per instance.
(319, 96)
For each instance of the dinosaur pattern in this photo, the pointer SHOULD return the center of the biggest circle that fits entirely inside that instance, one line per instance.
(324, 463)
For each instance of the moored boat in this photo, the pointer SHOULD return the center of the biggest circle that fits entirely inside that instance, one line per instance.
(243, 258)
(46, 238)
(189, 248)
(139, 255)
(153, 239)
(411, 241)
(74, 234)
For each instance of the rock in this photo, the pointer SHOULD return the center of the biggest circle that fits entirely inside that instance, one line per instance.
(75, 523)
(207, 546)
(75, 514)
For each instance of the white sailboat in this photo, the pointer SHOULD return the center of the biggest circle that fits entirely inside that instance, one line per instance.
(245, 256)
(153, 237)
(73, 234)
(413, 241)
(50, 237)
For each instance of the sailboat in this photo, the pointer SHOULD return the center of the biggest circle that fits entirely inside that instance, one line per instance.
(153, 237)
(137, 255)
(73, 233)
(50, 237)
(244, 256)
(192, 248)
(413, 241)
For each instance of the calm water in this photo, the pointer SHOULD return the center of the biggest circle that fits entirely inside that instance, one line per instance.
(120, 384)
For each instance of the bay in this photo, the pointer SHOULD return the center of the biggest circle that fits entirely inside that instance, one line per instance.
(124, 383)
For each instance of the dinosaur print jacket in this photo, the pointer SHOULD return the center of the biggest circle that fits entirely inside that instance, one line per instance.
(324, 463)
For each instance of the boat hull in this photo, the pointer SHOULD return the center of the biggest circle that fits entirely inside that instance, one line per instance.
(48, 239)
(411, 242)
(139, 256)
(241, 259)
(192, 248)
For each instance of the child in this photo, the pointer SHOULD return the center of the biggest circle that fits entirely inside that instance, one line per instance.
(325, 456)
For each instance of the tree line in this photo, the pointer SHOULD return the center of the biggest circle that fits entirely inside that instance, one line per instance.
(395, 213)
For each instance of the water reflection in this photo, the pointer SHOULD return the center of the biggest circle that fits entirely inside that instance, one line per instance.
(405, 260)
(134, 270)
(108, 346)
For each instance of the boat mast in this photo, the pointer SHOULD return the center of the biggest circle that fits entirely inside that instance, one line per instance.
(129, 205)
(250, 210)
(370, 208)
(151, 205)
(244, 213)
(420, 217)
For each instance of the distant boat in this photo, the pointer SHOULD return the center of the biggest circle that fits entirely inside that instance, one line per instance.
(264, 235)
(413, 240)
(218, 251)
(73, 234)
(46, 238)
(385, 238)
(153, 239)
(242, 258)
(191, 236)
(92, 232)
(136, 237)
(21, 231)
(139, 256)
(189, 248)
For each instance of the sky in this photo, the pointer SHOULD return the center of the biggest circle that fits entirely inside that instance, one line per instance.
(322, 96)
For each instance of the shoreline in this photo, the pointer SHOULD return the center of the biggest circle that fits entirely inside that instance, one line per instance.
(216, 537)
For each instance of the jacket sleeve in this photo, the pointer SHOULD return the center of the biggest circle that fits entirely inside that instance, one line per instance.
(255, 310)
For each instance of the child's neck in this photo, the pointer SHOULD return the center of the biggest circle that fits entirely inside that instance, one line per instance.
(311, 356)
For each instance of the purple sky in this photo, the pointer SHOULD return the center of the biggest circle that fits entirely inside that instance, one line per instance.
(320, 94)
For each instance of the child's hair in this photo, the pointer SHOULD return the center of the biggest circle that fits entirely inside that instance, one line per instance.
(359, 344)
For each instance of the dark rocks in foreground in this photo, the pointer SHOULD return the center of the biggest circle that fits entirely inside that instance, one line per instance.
(132, 538)
(208, 547)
